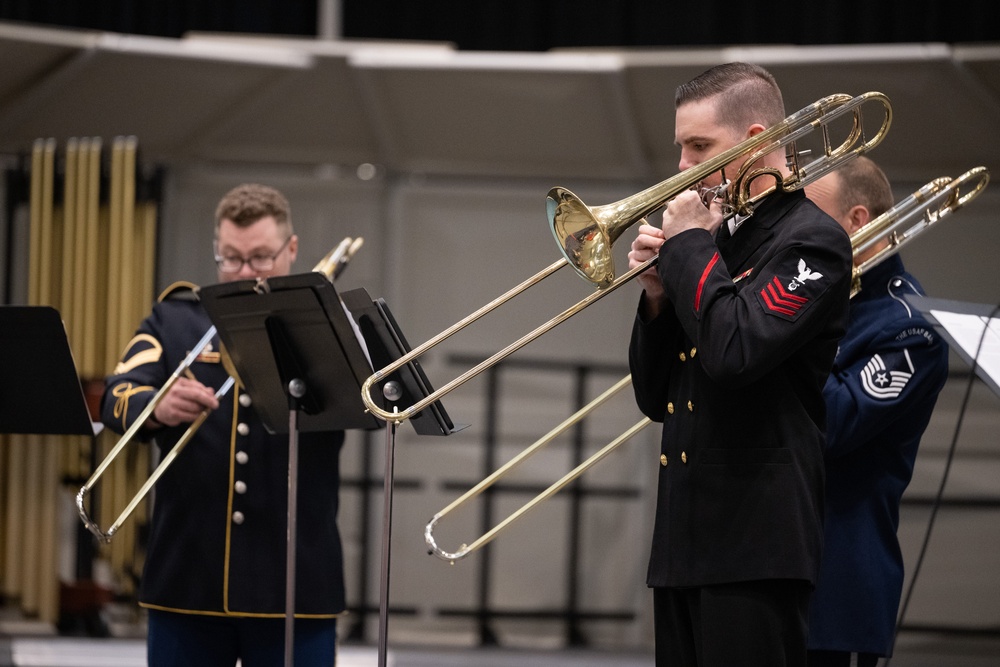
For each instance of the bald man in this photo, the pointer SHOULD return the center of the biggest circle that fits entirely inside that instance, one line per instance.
(889, 369)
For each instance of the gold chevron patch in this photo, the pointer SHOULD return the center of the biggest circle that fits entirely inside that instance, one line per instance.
(133, 357)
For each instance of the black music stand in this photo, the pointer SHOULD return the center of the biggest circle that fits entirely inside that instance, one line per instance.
(385, 343)
(320, 360)
(298, 357)
(37, 372)
(41, 394)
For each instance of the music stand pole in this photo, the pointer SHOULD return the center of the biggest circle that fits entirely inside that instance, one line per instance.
(296, 389)
(393, 392)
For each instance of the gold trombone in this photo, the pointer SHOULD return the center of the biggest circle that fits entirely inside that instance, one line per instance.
(332, 264)
(930, 203)
(585, 234)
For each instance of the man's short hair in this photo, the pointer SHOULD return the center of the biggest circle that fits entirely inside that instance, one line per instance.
(863, 182)
(246, 204)
(747, 95)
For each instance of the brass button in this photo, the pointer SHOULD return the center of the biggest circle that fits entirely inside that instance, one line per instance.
(693, 351)
(663, 459)
(690, 406)
(670, 408)
(683, 356)
(684, 457)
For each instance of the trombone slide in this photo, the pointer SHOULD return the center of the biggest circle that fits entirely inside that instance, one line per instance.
(133, 430)
(164, 464)
(570, 421)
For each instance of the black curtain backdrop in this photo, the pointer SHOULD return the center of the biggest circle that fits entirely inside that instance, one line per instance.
(540, 25)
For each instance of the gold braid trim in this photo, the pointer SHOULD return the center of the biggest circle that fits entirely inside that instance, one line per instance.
(123, 392)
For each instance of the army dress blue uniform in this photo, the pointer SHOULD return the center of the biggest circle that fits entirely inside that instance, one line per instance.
(217, 540)
(734, 366)
(888, 373)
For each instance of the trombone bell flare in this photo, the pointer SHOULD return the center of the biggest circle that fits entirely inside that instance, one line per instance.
(583, 240)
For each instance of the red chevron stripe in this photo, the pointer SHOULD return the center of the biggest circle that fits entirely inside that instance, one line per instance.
(785, 295)
(778, 301)
(771, 305)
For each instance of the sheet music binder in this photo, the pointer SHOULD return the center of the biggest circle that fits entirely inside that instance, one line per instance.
(386, 343)
(962, 324)
(304, 312)
(40, 390)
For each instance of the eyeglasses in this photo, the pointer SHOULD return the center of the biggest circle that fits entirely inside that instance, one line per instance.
(233, 263)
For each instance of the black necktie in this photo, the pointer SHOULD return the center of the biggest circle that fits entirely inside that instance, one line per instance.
(723, 234)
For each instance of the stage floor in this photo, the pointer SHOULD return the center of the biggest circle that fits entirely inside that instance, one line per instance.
(29, 643)
(913, 651)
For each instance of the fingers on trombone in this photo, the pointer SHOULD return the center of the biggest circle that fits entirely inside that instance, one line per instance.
(184, 402)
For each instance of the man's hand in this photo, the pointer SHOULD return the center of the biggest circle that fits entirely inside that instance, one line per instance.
(185, 400)
(646, 246)
(687, 211)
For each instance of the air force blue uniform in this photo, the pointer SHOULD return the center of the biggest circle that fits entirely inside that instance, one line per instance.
(889, 369)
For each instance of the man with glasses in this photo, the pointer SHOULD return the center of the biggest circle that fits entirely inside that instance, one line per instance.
(214, 575)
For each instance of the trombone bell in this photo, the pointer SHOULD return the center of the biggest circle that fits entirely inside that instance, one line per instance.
(584, 241)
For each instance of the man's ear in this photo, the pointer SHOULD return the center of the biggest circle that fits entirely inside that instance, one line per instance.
(858, 216)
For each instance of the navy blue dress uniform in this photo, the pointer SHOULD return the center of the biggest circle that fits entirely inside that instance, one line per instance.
(217, 540)
(888, 373)
(734, 368)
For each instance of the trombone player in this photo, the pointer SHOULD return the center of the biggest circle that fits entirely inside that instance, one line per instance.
(890, 367)
(214, 575)
(735, 335)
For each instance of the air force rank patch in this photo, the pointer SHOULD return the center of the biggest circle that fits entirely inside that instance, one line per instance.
(791, 290)
(885, 379)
